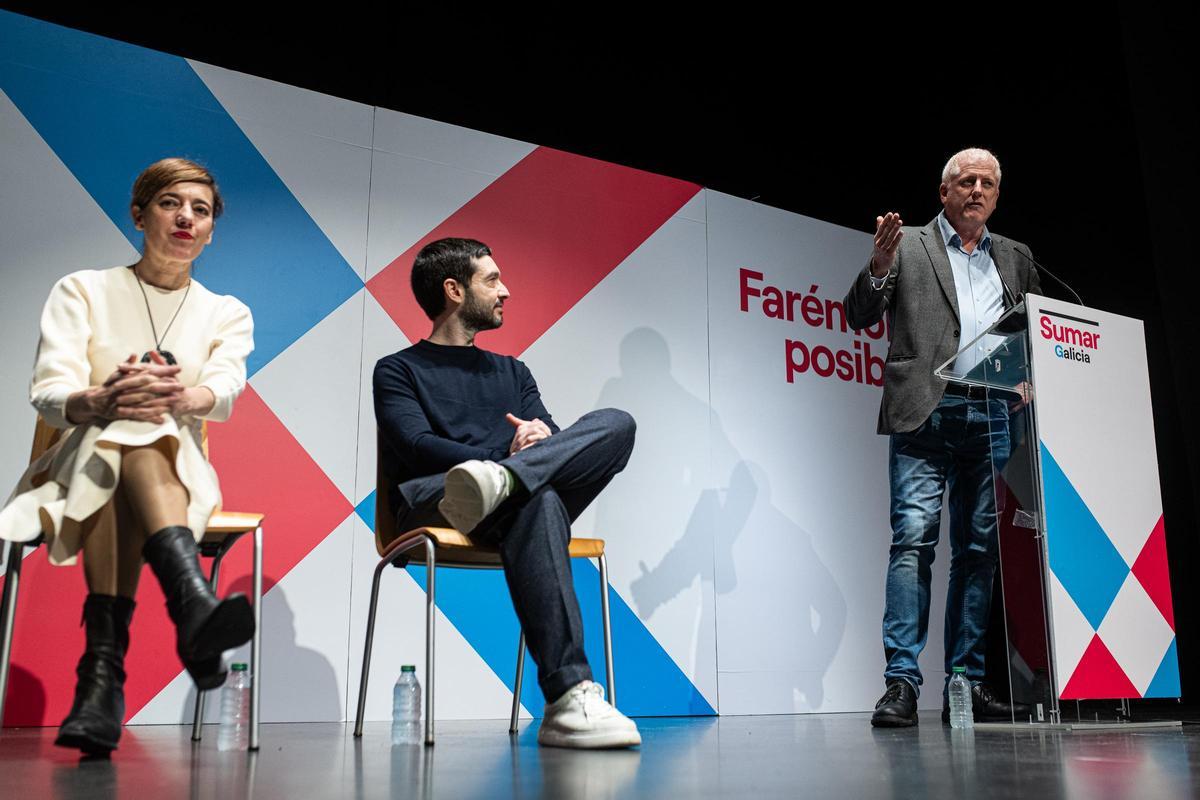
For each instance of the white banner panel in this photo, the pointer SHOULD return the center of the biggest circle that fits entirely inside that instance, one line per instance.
(1103, 505)
(801, 508)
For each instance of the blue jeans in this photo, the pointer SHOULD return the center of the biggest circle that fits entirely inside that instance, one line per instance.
(954, 448)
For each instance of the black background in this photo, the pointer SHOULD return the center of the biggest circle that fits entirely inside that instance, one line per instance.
(837, 115)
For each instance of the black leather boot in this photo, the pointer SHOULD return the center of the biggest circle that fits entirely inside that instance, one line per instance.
(94, 724)
(204, 626)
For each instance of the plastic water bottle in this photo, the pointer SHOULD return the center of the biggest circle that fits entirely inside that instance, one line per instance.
(406, 707)
(234, 733)
(961, 715)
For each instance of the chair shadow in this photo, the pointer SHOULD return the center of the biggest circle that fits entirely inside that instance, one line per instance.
(299, 683)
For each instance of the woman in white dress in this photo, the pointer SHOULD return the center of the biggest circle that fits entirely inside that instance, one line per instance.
(130, 361)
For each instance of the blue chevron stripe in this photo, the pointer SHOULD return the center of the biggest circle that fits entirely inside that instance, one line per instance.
(1082, 557)
(108, 109)
(1166, 678)
(649, 683)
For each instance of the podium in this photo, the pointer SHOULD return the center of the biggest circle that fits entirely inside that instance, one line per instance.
(1083, 559)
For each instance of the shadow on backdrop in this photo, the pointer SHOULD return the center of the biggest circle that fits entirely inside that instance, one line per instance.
(300, 684)
(800, 636)
(26, 697)
(721, 513)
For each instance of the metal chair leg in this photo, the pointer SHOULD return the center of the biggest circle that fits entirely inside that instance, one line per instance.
(12, 581)
(198, 716)
(367, 646)
(516, 709)
(608, 656)
(256, 642)
(430, 614)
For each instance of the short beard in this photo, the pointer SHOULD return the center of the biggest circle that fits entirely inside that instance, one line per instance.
(475, 316)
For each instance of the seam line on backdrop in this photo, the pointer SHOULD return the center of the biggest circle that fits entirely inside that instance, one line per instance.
(458, 167)
(362, 351)
(265, 119)
(711, 466)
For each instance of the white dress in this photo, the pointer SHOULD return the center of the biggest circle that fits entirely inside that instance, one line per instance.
(93, 320)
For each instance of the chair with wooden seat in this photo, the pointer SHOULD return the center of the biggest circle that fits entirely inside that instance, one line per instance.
(224, 529)
(447, 547)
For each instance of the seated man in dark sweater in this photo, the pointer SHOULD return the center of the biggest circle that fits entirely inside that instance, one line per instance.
(467, 442)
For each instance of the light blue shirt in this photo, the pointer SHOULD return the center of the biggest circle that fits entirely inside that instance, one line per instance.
(979, 290)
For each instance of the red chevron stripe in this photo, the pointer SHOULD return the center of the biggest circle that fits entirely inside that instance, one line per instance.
(1152, 571)
(557, 224)
(1098, 676)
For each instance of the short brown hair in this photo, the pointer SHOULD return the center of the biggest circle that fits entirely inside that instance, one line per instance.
(437, 261)
(168, 171)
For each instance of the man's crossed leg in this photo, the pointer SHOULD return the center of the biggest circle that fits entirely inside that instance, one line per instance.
(524, 505)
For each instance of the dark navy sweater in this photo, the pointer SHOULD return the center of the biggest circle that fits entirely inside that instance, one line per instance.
(439, 405)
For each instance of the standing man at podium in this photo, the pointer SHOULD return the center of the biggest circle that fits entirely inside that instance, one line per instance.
(941, 286)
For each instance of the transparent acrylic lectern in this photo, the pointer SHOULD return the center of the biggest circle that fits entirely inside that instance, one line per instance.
(1025, 629)
(998, 362)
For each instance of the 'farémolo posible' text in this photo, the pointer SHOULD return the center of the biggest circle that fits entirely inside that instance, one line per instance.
(860, 362)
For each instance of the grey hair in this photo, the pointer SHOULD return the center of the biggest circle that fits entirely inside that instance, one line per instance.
(953, 166)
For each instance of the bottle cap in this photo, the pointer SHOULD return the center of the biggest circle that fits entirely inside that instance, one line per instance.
(408, 668)
(239, 667)
(959, 669)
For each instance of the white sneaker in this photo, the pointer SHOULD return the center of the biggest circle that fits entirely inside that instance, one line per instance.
(474, 489)
(581, 718)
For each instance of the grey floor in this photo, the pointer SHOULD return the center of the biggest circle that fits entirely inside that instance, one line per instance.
(777, 756)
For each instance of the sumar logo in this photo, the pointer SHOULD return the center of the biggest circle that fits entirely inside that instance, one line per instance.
(1071, 343)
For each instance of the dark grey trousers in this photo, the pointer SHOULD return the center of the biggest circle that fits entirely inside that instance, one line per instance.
(560, 476)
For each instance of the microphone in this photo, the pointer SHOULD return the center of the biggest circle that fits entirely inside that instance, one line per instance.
(1037, 265)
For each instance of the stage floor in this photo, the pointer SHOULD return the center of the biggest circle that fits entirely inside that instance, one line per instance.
(834, 755)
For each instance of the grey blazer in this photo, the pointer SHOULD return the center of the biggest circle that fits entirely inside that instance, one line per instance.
(922, 309)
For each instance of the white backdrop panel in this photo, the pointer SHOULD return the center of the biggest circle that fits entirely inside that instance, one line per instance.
(318, 145)
(802, 530)
(638, 342)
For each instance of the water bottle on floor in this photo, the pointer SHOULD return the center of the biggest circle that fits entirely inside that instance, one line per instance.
(234, 733)
(961, 715)
(406, 707)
